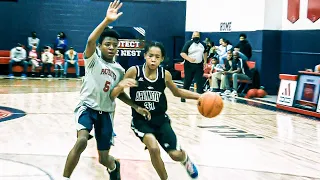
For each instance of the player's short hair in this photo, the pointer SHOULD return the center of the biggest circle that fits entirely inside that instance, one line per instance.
(108, 33)
(155, 44)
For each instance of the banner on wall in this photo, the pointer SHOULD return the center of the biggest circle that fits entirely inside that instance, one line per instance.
(286, 92)
(313, 10)
(130, 46)
(293, 13)
(225, 26)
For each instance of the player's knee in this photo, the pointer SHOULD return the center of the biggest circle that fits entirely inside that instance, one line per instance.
(176, 155)
(234, 75)
(154, 150)
(106, 160)
(81, 144)
(103, 160)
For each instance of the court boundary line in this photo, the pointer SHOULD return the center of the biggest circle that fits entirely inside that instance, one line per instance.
(27, 164)
(140, 160)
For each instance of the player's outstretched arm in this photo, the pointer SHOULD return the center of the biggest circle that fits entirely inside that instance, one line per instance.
(118, 91)
(111, 15)
(179, 92)
(128, 81)
(126, 99)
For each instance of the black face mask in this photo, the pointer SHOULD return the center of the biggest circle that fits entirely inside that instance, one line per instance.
(34, 35)
(196, 39)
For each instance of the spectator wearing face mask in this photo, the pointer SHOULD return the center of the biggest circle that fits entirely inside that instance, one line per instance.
(195, 55)
(18, 56)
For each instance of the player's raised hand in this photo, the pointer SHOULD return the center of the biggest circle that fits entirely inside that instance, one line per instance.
(144, 112)
(112, 12)
(128, 82)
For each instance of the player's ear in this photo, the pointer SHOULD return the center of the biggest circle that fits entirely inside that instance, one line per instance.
(145, 55)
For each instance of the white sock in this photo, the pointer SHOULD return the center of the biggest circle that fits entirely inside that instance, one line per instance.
(65, 178)
(184, 161)
(115, 167)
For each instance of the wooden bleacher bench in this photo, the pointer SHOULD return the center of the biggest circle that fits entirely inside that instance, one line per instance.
(5, 59)
(179, 67)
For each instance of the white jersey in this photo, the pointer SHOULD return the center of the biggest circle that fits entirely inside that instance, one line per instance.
(101, 77)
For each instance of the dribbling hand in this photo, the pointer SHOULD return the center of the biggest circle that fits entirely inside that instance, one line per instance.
(112, 12)
(144, 112)
(128, 82)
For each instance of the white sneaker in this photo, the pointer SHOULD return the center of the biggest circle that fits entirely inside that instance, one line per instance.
(191, 168)
(234, 93)
(226, 93)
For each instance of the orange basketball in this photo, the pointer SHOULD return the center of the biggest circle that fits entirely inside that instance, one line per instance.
(261, 93)
(210, 104)
(251, 93)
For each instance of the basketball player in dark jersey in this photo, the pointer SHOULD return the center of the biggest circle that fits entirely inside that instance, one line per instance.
(149, 93)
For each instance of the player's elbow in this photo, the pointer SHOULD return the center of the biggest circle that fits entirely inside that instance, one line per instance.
(183, 54)
(91, 42)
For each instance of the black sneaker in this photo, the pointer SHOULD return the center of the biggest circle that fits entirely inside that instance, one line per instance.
(183, 100)
(115, 175)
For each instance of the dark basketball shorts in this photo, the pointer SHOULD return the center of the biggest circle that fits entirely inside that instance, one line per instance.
(87, 118)
(163, 133)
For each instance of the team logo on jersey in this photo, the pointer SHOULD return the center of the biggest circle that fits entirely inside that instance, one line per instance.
(149, 98)
(7, 113)
(153, 96)
(106, 71)
(140, 79)
(150, 87)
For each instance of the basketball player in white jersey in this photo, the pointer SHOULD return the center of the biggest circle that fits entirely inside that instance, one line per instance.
(96, 107)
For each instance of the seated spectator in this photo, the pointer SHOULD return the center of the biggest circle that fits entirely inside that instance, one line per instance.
(33, 41)
(240, 71)
(71, 58)
(47, 61)
(58, 65)
(223, 49)
(61, 43)
(214, 62)
(317, 68)
(208, 44)
(34, 61)
(219, 74)
(18, 56)
(211, 49)
(244, 48)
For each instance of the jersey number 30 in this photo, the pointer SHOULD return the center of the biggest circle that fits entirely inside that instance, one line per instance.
(106, 86)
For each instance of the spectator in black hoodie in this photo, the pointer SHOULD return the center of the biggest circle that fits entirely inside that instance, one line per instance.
(244, 48)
